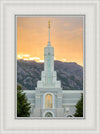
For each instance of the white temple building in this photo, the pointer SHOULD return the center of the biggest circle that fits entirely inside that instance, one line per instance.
(48, 99)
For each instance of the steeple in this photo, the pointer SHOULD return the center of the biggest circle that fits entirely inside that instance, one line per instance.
(49, 45)
(49, 29)
(49, 76)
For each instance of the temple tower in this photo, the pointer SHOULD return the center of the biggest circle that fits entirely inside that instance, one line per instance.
(48, 97)
(48, 76)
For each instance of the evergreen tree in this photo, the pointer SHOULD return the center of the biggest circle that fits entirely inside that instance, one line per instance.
(79, 108)
(23, 107)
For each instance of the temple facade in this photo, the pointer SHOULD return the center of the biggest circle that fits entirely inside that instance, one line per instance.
(48, 99)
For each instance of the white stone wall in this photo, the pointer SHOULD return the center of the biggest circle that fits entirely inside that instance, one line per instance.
(68, 102)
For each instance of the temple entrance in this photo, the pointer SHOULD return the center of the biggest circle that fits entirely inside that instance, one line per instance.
(48, 101)
(48, 114)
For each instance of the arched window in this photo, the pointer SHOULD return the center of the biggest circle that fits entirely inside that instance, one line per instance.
(48, 101)
(48, 114)
(69, 116)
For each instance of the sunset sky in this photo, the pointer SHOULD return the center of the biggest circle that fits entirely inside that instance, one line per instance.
(66, 36)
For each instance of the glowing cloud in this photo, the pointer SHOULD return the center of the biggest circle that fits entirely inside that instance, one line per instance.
(64, 60)
(19, 57)
(25, 59)
(26, 55)
(41, 61)
(55, 58)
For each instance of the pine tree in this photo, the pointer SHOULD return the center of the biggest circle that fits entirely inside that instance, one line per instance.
(79, 108)
(23, 107)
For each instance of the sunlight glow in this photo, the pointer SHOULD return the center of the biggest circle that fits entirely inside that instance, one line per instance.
(41, 60)
(27, 57)
(64, 60)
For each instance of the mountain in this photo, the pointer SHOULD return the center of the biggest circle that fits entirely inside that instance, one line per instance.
(69, 73)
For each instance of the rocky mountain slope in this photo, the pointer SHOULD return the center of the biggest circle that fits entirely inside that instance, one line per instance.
(70, 74)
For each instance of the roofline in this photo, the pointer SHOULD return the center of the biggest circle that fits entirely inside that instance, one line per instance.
(72, 91)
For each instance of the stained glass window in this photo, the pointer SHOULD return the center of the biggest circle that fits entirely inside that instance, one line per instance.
(48, 101)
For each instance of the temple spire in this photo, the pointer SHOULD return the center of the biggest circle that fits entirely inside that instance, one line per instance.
(49, 29)
(49, 33)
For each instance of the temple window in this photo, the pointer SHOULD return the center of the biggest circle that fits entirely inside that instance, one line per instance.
(48, 101)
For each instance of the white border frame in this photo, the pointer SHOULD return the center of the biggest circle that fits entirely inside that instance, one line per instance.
(10, 125)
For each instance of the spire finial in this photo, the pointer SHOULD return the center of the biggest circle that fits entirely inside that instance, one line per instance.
(49, 34)
(49, 23)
